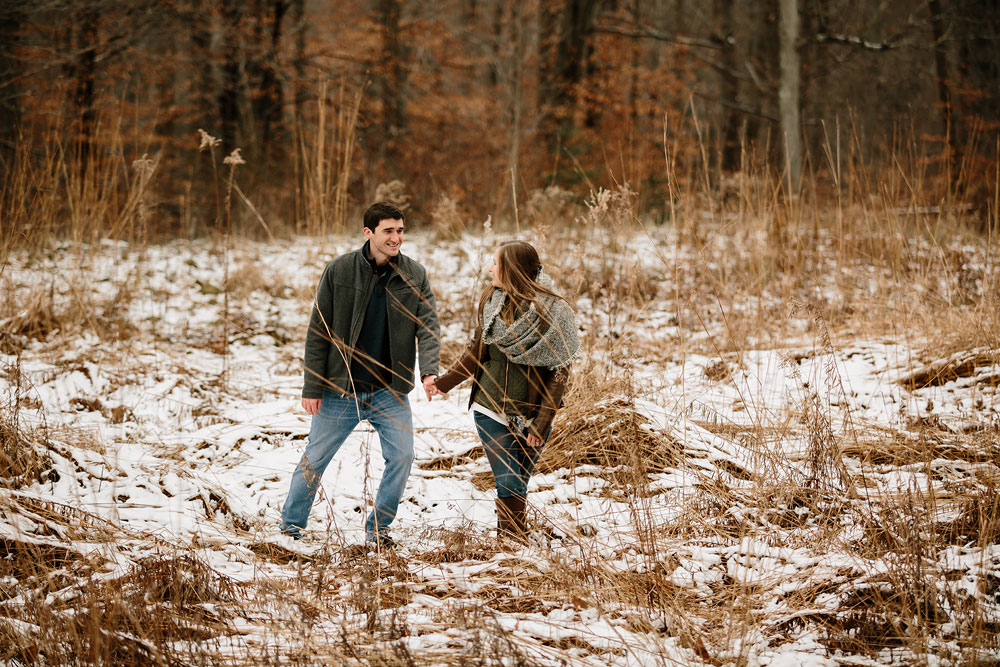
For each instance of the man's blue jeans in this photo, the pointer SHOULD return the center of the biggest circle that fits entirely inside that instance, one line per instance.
(511, 457)
(389, 414)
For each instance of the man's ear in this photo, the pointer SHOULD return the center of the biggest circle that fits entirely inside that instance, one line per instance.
(367, 232)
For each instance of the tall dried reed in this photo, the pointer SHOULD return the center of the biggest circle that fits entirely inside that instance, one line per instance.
(323, 167)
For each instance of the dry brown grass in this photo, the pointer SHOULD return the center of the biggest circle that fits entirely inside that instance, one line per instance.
(465, 543)
(23, 450)
(599, 425)
(981, 366)
(906, 605)
(927, 441)
(134, 619)
(47, 311)
(22, 457)
(977, 520)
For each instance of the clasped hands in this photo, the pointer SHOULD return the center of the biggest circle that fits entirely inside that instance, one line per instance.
(430, 387)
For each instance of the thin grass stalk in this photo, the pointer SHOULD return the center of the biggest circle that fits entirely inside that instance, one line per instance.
(135, 203)
(992, 230)
(321, 194)
(348, 137)
(318, 216)
(297, 139)
(232, 161)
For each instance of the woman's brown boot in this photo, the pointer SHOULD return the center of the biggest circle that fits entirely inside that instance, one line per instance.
(512, 517)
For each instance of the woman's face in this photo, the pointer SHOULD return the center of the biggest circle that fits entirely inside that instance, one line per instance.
(495, 269)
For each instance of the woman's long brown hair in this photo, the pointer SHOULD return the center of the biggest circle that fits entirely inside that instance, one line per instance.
(518, 269)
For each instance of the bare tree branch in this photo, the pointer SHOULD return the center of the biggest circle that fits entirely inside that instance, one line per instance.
(854, 40)
(635, 31)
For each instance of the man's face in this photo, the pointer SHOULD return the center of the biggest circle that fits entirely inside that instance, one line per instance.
(384, 242)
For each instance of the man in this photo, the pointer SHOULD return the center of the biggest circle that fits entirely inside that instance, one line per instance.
(373, 307)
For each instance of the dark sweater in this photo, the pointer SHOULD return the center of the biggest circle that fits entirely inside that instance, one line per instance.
(372, 359)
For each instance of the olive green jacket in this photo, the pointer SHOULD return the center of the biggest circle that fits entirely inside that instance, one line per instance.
(344, 290)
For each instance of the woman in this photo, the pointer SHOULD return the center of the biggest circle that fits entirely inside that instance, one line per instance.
(519, 360)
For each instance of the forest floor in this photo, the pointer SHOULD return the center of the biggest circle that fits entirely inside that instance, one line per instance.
(734, 480)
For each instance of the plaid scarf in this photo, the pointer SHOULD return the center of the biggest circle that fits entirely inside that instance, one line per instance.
(523, 341)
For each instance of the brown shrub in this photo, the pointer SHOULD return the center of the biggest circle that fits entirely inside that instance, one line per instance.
(600, 425)
(22, 460)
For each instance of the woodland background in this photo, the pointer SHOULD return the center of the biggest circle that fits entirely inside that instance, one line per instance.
(463, 108)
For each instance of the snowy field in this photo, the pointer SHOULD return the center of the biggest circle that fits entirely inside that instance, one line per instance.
(831, 500)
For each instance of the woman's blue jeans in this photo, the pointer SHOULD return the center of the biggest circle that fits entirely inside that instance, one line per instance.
(389, 414)
(511, 457)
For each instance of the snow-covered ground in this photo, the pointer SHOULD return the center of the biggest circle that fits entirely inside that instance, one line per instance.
(799, 505)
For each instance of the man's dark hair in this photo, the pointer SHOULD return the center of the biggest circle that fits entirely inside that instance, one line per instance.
(380, 211)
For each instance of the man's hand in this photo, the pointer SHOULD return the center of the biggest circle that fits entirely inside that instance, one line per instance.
(312, 405)
(430, 388)
(534, 440)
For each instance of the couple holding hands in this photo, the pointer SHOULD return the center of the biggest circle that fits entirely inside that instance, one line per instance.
(374, 309)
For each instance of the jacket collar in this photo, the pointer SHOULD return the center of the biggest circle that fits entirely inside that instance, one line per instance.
(366, 255)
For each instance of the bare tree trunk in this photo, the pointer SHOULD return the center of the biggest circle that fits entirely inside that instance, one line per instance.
(299, 66)
(633, 83)
(564, 59)
(548, 28)
(393, 78)
(516, 96)
(789, 103)
(83, 97)
(497, 44)
(10, 94)
(941, 71)
(268, 99)
(205, 93)
(229, 104)
(729, 85)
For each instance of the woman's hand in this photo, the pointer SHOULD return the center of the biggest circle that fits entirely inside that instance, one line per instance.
(534, 440)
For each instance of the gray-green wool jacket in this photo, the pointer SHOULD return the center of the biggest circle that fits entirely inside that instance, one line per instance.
(344, 290)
